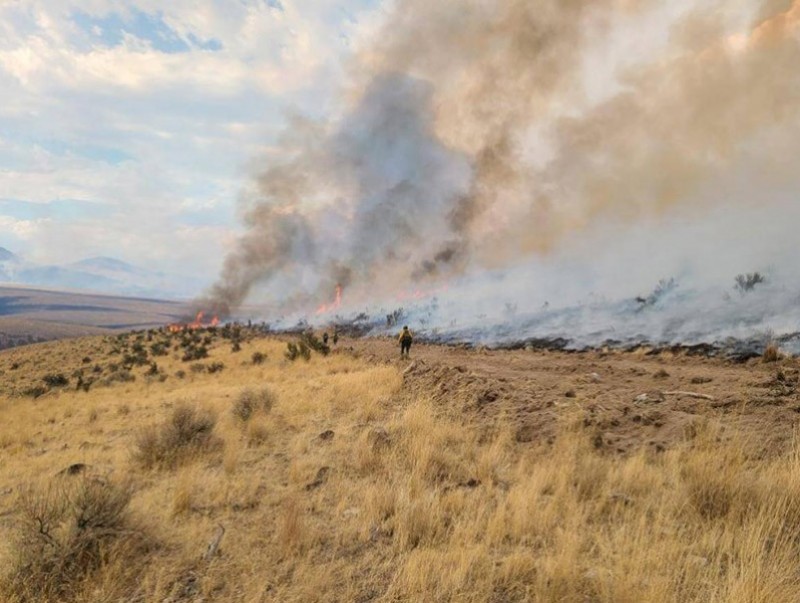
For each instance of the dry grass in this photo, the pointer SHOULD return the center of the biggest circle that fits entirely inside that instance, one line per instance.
(348, 489)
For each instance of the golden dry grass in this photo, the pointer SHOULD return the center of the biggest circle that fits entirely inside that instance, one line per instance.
(344, 488)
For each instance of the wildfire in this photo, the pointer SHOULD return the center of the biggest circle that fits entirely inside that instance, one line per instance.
(334, 305)
(196, 324)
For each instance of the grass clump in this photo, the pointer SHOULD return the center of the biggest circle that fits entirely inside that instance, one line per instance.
(771, 353)
(252, 401)
(258, 357)
(188, 432)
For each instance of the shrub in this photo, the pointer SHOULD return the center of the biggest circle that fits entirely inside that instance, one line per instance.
(55, 380)
(748, 282)
(159, 349)
(215, 367)
(122, 375)
(195, 353)
(258, 357)
(292, 351)
(252, 401)
(310, 340)
(197, 367)
(67, 531)
(35, 391)
(236, 347)
(188, 431)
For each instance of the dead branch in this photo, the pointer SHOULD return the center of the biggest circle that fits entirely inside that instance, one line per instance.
(690, 395)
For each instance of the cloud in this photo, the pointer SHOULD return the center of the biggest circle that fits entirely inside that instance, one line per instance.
(149, 114)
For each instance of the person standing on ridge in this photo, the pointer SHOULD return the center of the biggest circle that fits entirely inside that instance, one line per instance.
(405, 340)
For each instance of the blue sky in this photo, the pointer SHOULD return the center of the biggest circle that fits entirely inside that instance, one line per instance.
(130, 128)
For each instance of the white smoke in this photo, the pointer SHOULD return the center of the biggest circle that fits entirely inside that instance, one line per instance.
(535, 168)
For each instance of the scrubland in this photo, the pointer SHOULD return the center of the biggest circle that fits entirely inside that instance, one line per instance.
(336, 479)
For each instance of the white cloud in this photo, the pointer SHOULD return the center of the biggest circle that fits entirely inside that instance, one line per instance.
(155, 139)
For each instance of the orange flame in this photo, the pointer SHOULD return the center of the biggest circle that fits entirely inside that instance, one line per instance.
(191, 326)
(334, 305)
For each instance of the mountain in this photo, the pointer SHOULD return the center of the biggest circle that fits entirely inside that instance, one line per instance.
(6, 255)
(98, 274)
(106, 264)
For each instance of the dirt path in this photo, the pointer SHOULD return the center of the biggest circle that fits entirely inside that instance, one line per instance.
(536, 388)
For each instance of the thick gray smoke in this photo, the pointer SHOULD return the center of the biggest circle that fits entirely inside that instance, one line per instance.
(566, 153)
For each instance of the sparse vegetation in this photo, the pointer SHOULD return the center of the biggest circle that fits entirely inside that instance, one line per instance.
(258, 358)
(771, 353)
(347, 480)
(188, 432)
(251, 401)
(747, 282)
(70, 530)
(55, 380)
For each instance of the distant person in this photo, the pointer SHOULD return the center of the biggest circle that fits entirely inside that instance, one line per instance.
(405, 342)
(335, 338)
(325, 338)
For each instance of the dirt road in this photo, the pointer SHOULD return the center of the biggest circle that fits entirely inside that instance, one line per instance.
(629, 400)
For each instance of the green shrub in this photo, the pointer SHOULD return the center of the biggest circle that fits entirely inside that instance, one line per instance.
(55, 380)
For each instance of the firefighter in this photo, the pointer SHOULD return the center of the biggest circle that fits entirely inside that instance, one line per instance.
(335, 338)
(405, 340)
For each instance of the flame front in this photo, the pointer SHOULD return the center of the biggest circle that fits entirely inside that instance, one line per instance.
(334, 305)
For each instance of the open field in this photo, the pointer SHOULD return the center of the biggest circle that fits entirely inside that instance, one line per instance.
(463, 475)
(28, 315)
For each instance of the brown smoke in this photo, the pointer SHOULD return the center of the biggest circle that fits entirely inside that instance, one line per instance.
(430, 174)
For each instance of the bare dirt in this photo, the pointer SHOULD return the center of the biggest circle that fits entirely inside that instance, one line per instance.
(629, 399)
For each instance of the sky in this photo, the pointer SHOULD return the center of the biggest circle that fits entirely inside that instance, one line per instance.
(130, 128)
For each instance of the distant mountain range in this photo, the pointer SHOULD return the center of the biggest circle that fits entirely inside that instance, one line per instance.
(98, 274)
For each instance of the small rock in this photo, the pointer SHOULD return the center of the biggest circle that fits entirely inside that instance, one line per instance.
(660, 374)
(701, 380)
(326, 435)
(570, 393)
(594, 378)
(650, 398)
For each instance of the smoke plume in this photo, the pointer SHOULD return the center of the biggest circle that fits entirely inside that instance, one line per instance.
(483, 140)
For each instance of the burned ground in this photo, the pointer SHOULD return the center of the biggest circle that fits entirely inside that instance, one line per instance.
(631, 400)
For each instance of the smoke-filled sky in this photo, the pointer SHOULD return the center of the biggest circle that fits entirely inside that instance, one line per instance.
(492, 136)
(504, 155)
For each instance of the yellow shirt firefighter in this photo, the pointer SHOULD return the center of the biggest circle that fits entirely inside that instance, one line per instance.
(405, 340)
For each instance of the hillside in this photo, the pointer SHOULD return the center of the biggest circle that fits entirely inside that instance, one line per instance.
(137, 469)
(28, 315)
